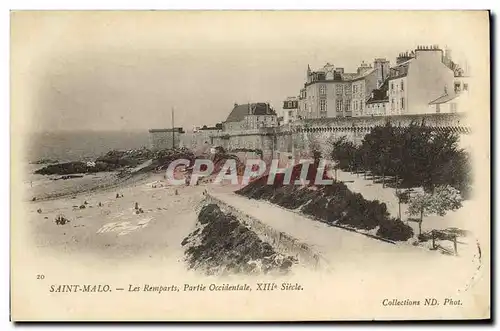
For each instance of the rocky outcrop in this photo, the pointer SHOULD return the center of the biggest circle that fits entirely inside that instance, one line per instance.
(221, 244)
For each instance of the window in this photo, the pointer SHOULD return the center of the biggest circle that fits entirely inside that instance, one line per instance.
(322, 90)
(338, 89)
(402, 103)
(339, 105)
(348, 105)
(322, 105)
(354, 90)
(392, 86)
(402, 85)
(361, 106)
(466, 87)
(289, 113)
(457, 87)
(392, 104)
(290, 104)
(438, 108)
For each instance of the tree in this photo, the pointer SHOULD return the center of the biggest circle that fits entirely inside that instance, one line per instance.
(315, 150)
(444, 198)
(402, 196)
(345, 153)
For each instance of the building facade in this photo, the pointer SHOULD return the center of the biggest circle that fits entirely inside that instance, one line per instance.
(250, 116)
(165, 138)
(418, 78)
(290, 109)
(330, 92)
(454, 101)
(378, 102)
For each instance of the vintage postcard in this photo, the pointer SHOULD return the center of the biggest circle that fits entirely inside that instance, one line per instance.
(250, 165)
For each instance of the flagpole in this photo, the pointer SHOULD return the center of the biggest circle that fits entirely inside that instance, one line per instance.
(173, 129)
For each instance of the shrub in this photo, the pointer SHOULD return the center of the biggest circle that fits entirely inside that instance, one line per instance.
(317, 208)
(395, 229)
(225, 245)
(330, 203)
(63, 169)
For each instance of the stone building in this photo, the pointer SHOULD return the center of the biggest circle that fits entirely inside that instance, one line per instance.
(200, 137)
(456, 99)
(424, 75)
(418, 78)
(250, 116)
(165, 138)
(378, 102)
(330, 92)
(290, 108)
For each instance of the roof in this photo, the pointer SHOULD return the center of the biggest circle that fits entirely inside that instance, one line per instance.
(443, 99)
(380, 94)
(404, 63)
(348, 75)
(401, 69)
(240, 111)
(363, 75)
(342, 77)
(178, 129)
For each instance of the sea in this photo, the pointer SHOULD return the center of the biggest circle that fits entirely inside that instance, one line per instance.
(82, 145)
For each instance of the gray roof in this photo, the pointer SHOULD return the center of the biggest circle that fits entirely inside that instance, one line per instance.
(380, 94)
(240, 111)
(176, 129)
(444, 98)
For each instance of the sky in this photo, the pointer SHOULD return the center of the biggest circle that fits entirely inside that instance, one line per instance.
(120, 70)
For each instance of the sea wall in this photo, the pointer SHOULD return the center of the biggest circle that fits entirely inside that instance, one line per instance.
(296, 139)
(162, 139)
(281, 242)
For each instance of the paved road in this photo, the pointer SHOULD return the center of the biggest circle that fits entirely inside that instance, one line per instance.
(358, 255)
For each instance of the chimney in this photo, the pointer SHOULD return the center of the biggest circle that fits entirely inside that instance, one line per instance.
(235, 105)
(447, 53)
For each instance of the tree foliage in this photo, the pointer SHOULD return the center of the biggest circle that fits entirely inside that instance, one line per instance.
(417, 155)
(444, 198)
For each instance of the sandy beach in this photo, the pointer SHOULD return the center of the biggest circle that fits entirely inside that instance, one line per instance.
(109, 227)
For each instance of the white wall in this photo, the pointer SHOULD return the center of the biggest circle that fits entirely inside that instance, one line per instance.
(426, 80)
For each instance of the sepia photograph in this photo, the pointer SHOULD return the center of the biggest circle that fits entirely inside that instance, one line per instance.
(250, 165)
